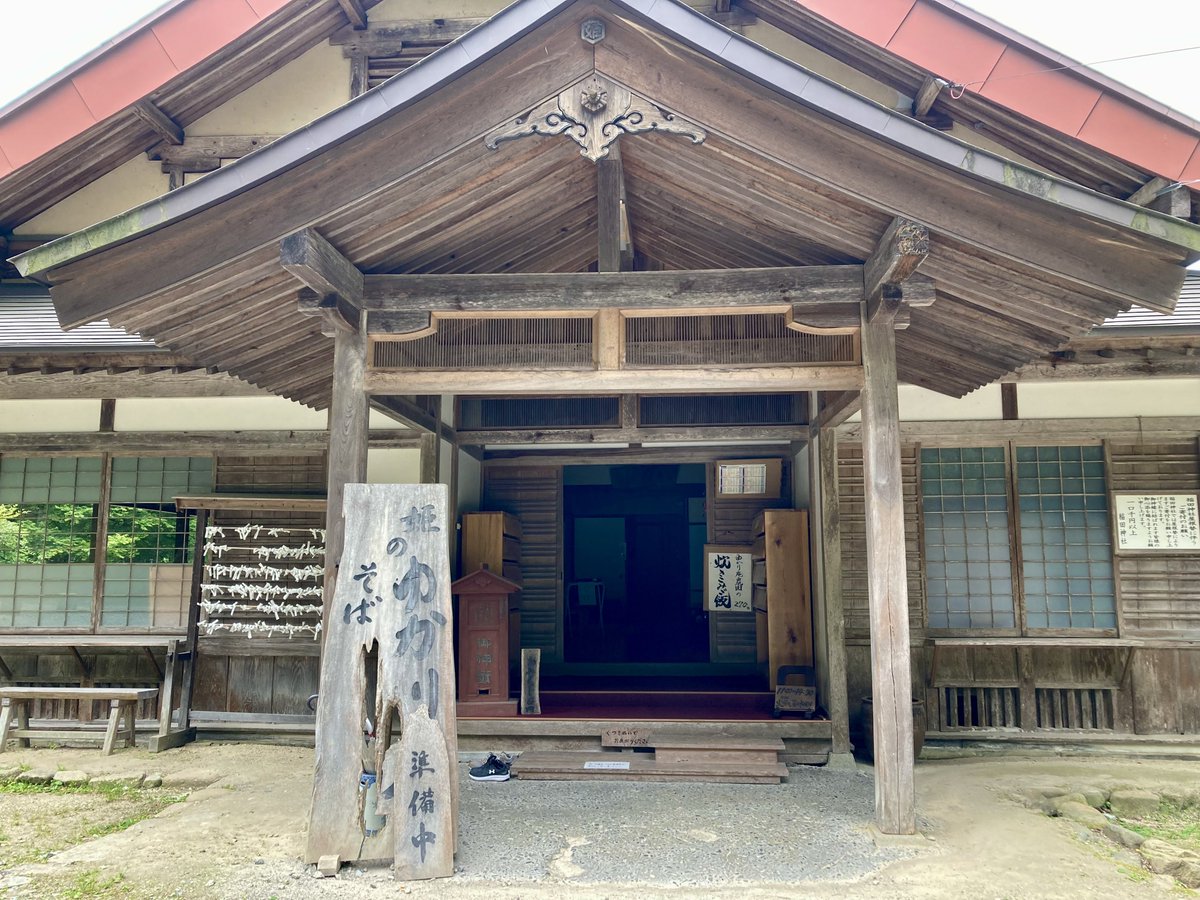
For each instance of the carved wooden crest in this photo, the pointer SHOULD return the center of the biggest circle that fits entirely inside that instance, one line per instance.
(594, 113)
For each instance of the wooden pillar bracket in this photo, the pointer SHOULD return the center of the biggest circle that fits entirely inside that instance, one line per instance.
(902, 248)
(334, 284)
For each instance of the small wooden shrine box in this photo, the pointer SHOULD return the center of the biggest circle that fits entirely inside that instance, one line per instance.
(483, 644)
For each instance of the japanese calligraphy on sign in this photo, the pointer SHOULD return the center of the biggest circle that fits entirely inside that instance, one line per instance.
(727, 579)
(391, 610)
(1163, 522)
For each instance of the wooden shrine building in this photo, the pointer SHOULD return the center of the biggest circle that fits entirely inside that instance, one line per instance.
(627, 275)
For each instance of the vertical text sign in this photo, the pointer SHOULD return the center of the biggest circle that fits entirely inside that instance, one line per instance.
(394, 588)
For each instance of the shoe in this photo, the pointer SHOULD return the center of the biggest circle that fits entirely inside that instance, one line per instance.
(494, 769)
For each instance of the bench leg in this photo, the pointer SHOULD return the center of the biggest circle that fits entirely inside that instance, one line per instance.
(6, 717)
(114, 720)
(23, 720)
(167, 692)
(131, 718)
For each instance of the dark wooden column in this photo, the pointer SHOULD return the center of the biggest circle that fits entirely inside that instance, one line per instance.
(887, 581)
(347, 442)
(824, 464)
(901, 249)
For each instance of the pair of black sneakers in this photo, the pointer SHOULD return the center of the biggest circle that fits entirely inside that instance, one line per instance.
(495, 768)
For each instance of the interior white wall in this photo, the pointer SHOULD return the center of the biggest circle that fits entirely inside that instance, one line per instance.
(394, 465)
(217, 414)
(1109, 399)
(36, 416)
(470, 483)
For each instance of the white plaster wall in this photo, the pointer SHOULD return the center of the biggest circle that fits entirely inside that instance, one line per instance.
(36, 416)
(470, 483)
(1109, 399)
(801, 489)
(217, 414)
(306, 88)
(382, 421)
(125, 187)
(918, 404)
(394, 466)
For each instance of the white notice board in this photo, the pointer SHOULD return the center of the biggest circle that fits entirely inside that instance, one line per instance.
(1164, 522)
(727, 581)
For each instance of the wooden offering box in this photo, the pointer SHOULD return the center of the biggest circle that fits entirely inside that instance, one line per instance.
(483, 644)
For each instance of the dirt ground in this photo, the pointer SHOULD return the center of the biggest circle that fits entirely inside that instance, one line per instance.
(239, 832)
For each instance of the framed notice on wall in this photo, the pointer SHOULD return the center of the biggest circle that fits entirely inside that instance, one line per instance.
(727, 582)
(1166, 522)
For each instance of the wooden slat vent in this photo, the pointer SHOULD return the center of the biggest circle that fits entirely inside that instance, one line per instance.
(493, 413)
(1075, 709)
(723, 409)
(854, 539)
(493, 344)
(729, 340)
(381, 67)
(294, 474)
(1160, 595)
(975, 706)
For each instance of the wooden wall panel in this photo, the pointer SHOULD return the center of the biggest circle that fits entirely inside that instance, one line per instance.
(293, 680)
(1160, 595)
(1154, 673)
(534, 495)
(733, 636)
(250, 683)
(854, 540)
(211, 691)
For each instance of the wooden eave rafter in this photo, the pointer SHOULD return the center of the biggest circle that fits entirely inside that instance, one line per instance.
(818, 184)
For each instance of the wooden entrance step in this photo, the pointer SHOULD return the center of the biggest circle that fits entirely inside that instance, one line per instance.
(543, 765)
(715, 749)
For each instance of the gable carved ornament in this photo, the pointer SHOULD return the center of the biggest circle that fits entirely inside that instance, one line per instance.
(594, 113)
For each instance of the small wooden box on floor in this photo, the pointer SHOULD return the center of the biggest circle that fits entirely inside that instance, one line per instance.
(483, 599)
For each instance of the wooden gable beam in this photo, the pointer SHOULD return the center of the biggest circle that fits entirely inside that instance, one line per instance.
(927, 95)
(610, 187)
(166, 127)
(815, 295)
(335, 285)
(355, 12)
(901, 249)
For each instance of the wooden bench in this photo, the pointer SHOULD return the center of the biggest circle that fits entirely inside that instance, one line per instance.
(168, 652)
(14, 703)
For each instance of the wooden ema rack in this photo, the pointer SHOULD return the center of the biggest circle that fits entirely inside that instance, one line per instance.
(633, 755)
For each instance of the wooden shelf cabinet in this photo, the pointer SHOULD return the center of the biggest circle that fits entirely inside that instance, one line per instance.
(782, 594)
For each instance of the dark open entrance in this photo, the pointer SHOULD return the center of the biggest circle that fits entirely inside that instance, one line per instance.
(633, 576)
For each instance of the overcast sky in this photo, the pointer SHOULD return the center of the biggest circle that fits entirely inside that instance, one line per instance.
(1086, 30)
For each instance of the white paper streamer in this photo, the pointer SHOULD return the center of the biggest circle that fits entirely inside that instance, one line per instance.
(264, 572)
(261, 591)
(263, 629)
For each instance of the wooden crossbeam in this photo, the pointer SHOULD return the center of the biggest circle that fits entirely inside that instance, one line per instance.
(166, 127)
(902, 248)
(730, 289)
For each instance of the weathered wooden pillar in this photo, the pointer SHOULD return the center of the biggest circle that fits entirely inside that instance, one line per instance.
(347, 463)
(824, 463)
(343, 688)
(887, 577)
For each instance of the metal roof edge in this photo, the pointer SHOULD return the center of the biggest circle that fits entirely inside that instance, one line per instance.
(674, 19)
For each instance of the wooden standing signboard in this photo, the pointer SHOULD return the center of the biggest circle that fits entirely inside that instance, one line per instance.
(392, 597)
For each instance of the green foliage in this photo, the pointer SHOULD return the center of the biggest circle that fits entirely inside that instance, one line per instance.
(138, 534)
(47, 533)
(1174, 824)
(93, 884)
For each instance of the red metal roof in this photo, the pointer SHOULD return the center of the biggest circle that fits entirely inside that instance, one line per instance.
(129, 68)
(964, 47)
